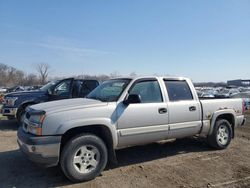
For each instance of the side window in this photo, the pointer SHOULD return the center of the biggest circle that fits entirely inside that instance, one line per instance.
(178, 90)
(63, 88)
(149, 91)
(87, 87)
(76, 88)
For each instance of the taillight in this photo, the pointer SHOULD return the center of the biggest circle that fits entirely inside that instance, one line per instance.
(243, 106)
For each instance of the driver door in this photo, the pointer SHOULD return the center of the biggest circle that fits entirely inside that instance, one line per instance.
(62, 90)
(143, 122)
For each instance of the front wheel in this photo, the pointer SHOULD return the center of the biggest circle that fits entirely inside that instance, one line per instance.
(20, 115)
(83, 157)
(222, 134)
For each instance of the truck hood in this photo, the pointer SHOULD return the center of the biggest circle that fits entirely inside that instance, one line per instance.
(67, 104)
(25, 93)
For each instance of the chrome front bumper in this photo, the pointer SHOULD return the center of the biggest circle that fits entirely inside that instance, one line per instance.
(9, 111)
(42, 150)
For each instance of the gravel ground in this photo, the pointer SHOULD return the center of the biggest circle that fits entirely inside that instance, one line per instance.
(182, 163)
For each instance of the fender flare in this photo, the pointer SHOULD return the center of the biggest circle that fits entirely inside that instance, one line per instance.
(105, 122)
(218, 113)
(24, 103)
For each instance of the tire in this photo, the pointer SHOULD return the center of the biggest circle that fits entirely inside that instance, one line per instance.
(83, 158)
(20, 115)
(221, 135)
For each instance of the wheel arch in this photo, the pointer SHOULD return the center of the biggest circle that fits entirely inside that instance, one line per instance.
(24, 105)
(228, 115)
(99, 130)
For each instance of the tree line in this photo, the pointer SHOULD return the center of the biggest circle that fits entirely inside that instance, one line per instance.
(10, 76)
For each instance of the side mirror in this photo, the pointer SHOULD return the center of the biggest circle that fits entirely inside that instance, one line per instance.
(132, 99)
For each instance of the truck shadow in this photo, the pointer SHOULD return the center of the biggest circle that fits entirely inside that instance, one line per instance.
(140, 154)
(17, 171)
(8, 125)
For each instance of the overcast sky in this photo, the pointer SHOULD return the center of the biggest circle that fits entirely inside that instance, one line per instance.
(203, 40)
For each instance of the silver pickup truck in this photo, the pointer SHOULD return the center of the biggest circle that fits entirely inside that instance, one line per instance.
(82, 134)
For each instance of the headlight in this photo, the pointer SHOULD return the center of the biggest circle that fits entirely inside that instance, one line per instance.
(35, 121)
(10, 101)
(34, 130)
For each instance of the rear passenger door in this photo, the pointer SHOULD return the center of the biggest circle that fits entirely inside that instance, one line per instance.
(184, 109)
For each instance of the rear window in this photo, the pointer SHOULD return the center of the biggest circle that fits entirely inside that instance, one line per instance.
(178, 90)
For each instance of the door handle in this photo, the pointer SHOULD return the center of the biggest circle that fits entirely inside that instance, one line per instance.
(192, 108)
(162, 110)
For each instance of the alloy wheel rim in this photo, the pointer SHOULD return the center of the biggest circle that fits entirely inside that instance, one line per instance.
(86, 159)
(223, 134)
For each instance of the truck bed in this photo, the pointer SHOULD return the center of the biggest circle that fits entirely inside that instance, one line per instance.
(212, 105)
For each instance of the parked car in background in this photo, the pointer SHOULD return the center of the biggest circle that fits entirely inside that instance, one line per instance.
(247, 103)
(226, 93)
(3, 90)
(206, 95)
(81, 135)
(15, 89)
(244, 89)
(14, 103)
(35, 87)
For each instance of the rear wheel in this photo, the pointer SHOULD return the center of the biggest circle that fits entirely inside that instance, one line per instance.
(222, 134)
(83, 157)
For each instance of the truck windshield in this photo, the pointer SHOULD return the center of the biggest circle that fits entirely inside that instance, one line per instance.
(49, 85)
(109, 91)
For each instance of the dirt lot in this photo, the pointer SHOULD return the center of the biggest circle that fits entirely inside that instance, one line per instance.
(181, 163)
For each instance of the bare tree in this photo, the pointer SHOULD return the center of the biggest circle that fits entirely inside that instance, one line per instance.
(19, 77)
(31, 79)
(43, 71)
